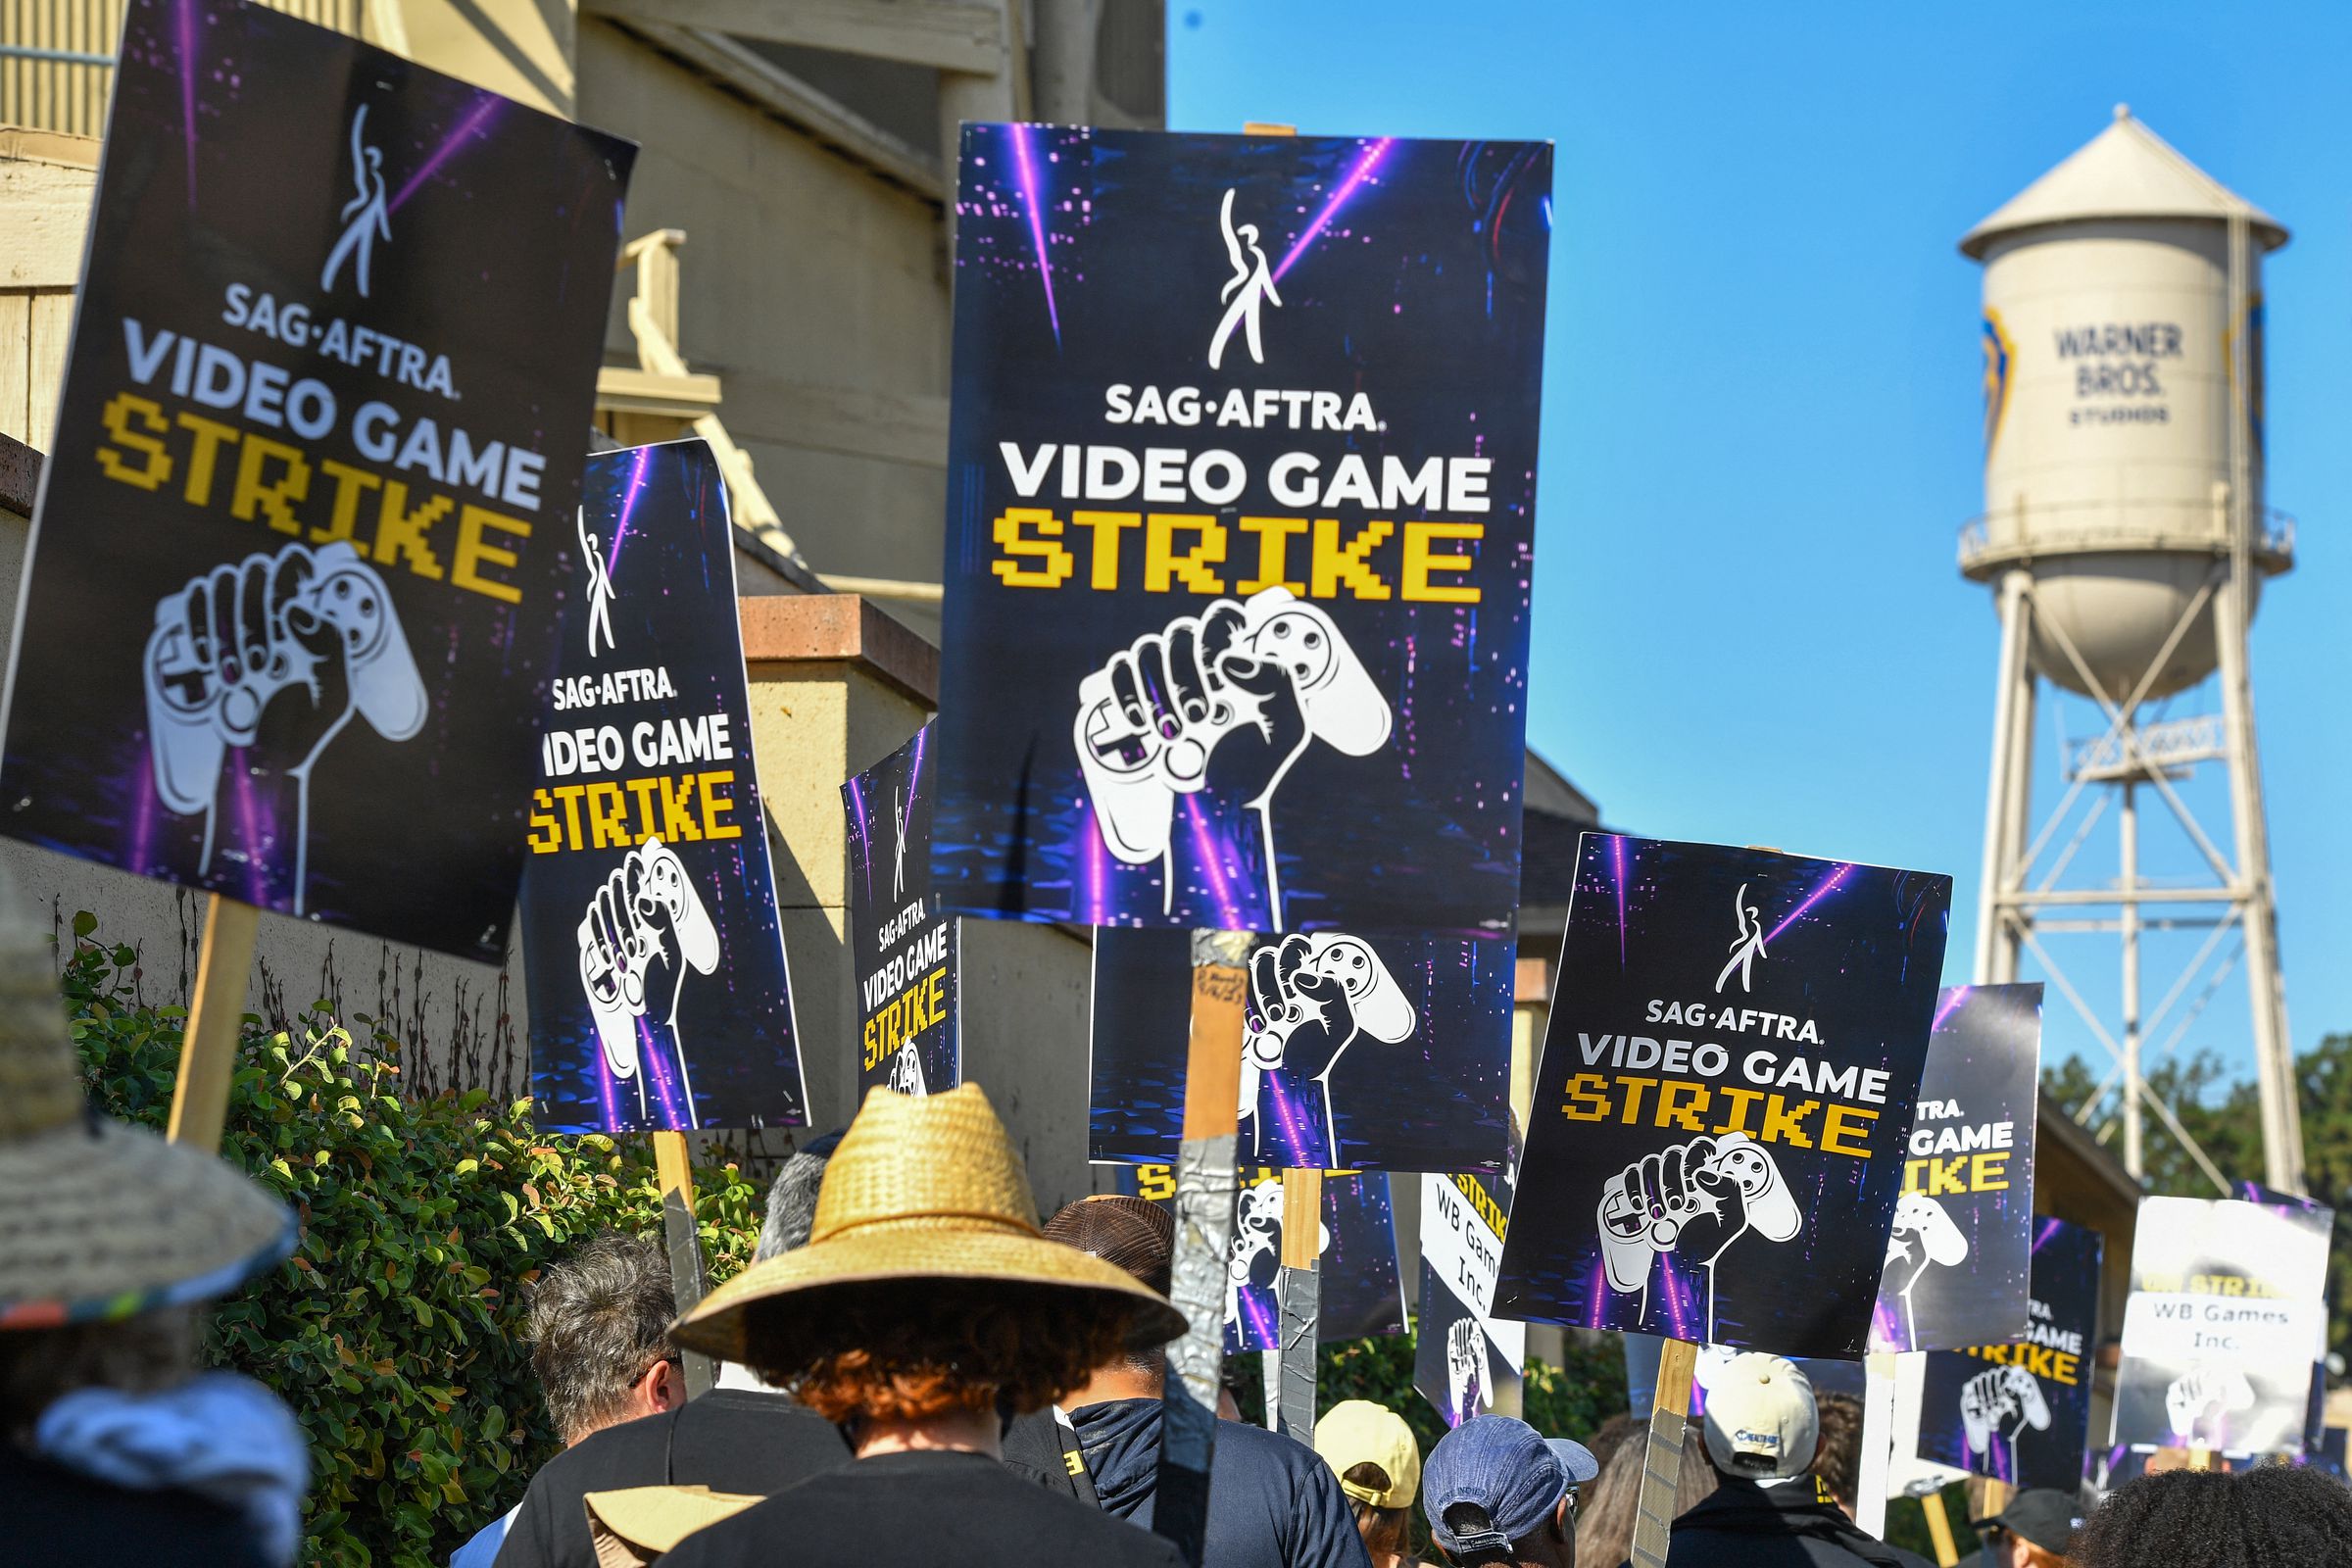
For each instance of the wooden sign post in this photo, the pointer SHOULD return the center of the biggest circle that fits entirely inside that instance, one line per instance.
(1300, 1292)
(207, 1050)
(1662, 1458)
(1205, 1192)
(1939, 1531)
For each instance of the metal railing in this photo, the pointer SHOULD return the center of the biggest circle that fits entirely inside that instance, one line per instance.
(2067, 527)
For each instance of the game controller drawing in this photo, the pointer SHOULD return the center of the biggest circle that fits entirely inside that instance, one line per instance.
(1924, 1225)
(1255, 1260)
(1310, 998)
(1466, 1374)
(644, 927)
(268, 659)
(1696, 1199)
(907, 1071)
(2198, 1401)
(1256, 681)
(1993, 1396)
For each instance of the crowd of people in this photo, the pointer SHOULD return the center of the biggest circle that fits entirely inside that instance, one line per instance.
(914, 1368)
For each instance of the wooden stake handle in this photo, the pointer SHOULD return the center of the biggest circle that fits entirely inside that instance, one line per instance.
(1301, 1197)
(1939, 1531)
(207, 1050)
(1662, 1458)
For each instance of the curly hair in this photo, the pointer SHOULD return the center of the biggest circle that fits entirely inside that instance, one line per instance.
(2273, 1516)
(918, 1351)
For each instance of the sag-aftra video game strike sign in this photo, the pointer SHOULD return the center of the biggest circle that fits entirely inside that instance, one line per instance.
(297, 556)
(1241, 522)
(1717, 1144)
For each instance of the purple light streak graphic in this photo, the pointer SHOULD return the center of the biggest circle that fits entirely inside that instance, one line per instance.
(467, 129)
(1260, 1314)
(1094, 860)
(1951, 1005)
(655, 1066)
(1617, 850)
(1365, 162)
(1206, 848)
(606, 1091)
(1829, 883)
(142, 817)
(629, 506)
(864, 840)
(186, 19)
(1025, 171)
(1291, 1121)
(256, 890)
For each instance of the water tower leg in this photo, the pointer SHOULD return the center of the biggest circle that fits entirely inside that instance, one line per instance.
(2274, 1049)
(2006, 789)
(2128, 892)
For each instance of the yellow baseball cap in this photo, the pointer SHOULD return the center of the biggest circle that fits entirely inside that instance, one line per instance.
(1357, 1431)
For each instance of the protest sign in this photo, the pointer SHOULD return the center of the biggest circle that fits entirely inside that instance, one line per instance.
(1241, 496)
(1717, 1142)
(1375, 1053)
(1464, 1357)
(2225, 1319)
(655, 956)
(905, 954)
(297, 555)
(2020, 1412)
(1958, 1256)
(1362, 1290)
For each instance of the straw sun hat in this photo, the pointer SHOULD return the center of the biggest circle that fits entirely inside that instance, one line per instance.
(100, 1220)
(923, 1188)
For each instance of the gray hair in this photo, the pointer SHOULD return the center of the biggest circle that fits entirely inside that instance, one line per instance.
(792, 1199)
(600, 1319)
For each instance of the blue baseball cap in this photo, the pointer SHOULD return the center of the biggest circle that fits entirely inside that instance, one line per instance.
(1512, 1472)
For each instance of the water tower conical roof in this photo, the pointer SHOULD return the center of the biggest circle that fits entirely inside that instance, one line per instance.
(2126, 171)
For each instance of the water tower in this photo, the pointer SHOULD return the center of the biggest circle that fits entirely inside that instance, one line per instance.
(2125, 541)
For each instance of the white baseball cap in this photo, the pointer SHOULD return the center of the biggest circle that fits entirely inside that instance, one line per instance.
(1761, 1422)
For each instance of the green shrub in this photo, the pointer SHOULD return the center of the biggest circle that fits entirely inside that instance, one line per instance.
(395, 1332)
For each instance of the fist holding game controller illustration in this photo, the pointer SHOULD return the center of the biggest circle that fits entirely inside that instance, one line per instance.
(1466, 1377)
(1226, 701)
(1923, 1233)
(2195, 1399)
(644, 927)
(1993, 1396)
(268, 659)
(1309, 999)
(1694, 1200)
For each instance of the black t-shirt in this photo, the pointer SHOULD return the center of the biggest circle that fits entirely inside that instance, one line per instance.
(944, 1510)
(1796, 1524)
(730, 1440)
(55, 1515)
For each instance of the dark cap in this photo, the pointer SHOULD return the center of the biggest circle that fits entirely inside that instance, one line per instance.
(2046, 1517)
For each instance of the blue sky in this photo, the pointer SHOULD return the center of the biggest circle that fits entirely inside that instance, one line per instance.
(1762, 417)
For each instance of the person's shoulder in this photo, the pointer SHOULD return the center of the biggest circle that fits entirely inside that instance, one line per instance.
(1010, 1510)
(1265, 1450)
(61, 1515)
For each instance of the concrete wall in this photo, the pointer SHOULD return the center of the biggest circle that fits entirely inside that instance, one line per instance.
(815, 289)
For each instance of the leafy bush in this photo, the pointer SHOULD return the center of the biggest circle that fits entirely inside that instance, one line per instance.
(396, 1330)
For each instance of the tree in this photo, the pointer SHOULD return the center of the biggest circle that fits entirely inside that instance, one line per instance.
(2225, 1117)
